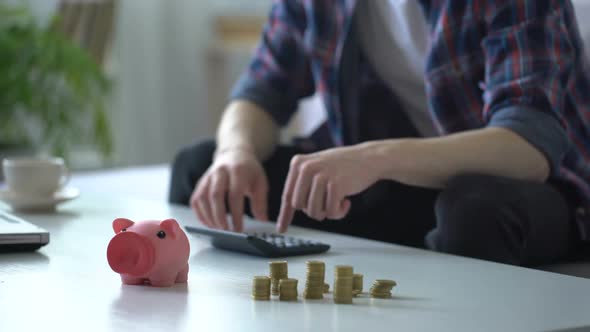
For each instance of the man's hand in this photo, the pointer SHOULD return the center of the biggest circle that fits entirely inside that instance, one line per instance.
(234, 174)
(319, 183)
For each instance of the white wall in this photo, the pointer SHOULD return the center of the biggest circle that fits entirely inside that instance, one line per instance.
(159, 63)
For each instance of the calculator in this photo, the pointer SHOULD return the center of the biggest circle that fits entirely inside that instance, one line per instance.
(260, 244)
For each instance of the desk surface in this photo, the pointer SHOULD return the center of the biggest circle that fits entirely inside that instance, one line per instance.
(68, 285)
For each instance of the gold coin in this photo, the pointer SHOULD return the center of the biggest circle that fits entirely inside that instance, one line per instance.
(288, 281)
(343, 300)
(280, 267)
(278, 263)
(382, 287)
(357, 282)
(385, 282)
(313, 296)
(343, 270)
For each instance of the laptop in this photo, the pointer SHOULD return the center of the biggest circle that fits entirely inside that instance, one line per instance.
(17, 234)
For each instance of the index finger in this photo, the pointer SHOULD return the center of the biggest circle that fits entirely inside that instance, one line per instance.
(287, 210)
(236, 201)
(285, 217)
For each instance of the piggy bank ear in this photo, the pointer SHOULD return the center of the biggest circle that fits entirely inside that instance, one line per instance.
(171, 227)
(121, 223)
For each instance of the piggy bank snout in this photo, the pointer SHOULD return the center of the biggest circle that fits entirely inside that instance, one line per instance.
(130, 253)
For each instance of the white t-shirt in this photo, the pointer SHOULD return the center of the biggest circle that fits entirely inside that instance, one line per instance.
(394, 37)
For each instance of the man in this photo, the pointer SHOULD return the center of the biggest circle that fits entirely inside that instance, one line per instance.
(461, 126)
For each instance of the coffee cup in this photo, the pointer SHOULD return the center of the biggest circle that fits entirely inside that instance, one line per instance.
(35, 176)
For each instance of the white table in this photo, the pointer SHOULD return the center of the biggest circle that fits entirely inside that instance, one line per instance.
(68, 286)
(132, 182)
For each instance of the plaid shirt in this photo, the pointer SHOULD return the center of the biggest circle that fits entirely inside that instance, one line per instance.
(504, 63)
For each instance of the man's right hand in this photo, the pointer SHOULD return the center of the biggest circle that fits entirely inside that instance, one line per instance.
(234, 175)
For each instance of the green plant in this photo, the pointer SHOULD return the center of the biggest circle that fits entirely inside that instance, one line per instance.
(52, 93)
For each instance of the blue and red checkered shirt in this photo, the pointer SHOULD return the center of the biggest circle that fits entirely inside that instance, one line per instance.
(505, 63)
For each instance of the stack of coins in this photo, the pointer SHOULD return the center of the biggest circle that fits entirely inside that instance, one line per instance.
(343, 284)
(278, 271)
(357, 284)
(326, 288)
(382, 288)
(314, 285)
(261, 288)
(288, 290)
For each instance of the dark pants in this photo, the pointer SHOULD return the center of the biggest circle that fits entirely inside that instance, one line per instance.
(492, 218)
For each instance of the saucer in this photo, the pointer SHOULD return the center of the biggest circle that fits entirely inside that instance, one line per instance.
(38, 203)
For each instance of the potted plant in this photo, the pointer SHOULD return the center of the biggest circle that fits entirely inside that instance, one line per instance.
(52, 92)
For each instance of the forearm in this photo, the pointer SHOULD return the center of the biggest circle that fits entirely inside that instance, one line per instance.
(432, 162)
(244, 125)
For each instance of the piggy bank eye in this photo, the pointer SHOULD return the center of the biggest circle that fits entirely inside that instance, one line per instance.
(161, 234)
(124, 230)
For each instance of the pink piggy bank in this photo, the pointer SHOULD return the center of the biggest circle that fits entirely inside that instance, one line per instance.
(154, 252)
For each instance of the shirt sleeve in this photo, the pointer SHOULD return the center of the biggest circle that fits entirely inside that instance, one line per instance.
(529, 59)
(279, 73)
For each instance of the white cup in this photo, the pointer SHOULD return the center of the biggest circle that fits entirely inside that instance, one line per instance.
(35, 176)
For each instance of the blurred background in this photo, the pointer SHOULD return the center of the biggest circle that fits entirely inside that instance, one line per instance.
(169, 65)
(111, 83)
